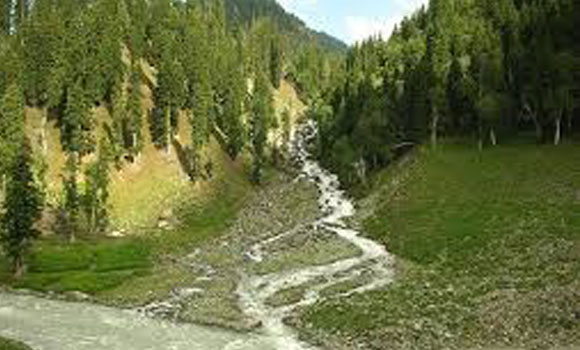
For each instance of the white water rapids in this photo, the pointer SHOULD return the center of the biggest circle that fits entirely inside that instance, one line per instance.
(55, 325)
(255, 290)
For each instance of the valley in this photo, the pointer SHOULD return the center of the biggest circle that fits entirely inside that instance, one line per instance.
(227, 175)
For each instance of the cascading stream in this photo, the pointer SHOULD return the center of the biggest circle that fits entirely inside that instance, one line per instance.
(255, 290)
(56, 325)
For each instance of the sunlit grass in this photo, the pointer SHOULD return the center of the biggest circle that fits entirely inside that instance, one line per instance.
(491, 245)
(135, 268)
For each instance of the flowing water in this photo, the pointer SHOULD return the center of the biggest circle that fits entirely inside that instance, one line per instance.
(55, 325)
(254, 291)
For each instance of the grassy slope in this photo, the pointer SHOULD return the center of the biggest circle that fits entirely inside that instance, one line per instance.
(137, 269)
(490, 250)
(103, 266)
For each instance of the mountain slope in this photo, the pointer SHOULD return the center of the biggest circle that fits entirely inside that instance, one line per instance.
(243, 12)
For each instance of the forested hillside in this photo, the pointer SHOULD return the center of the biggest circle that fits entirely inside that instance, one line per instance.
(192, 160)
(243, 12)
(116, 78)
(490, 71)
(482, 214)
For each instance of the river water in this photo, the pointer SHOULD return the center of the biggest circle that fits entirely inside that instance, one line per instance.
(56, 325)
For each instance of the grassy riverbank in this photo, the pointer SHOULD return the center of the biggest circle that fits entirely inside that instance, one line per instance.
(7, 344)
(139, 267)
(489, 254)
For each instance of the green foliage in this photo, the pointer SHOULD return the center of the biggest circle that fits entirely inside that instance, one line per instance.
(170, 92)
(233, 107)
(244, 13)
(96, 191)
(84, 206)
(77, 123)
(11, 127)
(70, 211)
(40, 37)
(108, 22)
(133, 123)
(5, 10)
(261, 113)
(275, 62)
(10, 63)
(72, 56)
(457, 69)
(22, 208)
(286, 128)
(6, 344)
(129, 269)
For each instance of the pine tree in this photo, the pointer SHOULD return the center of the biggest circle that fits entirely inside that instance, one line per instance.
(5, 11)
(160, 120)
(138, 17)
(11, 126)
(170, 92)
(200, 93)
(491, 99)
(261, 114)
(235, 93)
(216, 52)
(40, 39)
(286, 129)
(455, 97)
(71, 204)
(133, 130)
(108, 22)
(438, 55)
(10, 62)
(275, 61)
(96, 193)
(77, 122)
(22, 209)
(21, 8)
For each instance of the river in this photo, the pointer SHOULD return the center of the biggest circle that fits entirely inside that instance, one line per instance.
(56, 325)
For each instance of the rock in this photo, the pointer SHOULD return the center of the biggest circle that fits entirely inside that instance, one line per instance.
(116, 234)
(253, 324)
(188, 292)
(163, 224)
(167, 213)
(77, 296)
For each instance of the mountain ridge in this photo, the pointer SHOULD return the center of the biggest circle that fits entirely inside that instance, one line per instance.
(245, 11)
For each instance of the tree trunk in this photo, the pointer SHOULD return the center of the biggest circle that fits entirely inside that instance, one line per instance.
(492, 137)
(434, 126)
(4, 184)
(43, 138)
(18, 266)
(539, 129)
(558, 133)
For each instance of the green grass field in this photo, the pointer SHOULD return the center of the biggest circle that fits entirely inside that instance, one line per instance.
(489, 253)
(6, 344)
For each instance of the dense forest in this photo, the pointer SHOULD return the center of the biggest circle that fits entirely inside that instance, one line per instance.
(193, 161)
(214, 62)
(490, 71)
